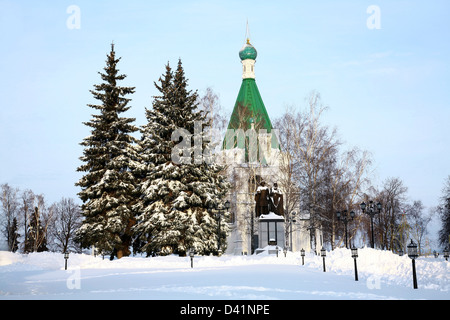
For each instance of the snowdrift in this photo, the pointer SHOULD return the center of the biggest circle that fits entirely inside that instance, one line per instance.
(216, 275)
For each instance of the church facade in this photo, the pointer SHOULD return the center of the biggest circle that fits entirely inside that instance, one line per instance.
(252, 154)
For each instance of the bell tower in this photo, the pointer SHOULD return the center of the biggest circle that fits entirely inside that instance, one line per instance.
(251, 151)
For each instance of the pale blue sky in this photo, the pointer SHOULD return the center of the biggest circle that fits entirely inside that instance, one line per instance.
(388, 88)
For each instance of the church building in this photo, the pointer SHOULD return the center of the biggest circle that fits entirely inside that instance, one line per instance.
(252, 152)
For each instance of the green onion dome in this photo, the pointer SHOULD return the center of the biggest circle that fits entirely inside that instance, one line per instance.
(248, 52)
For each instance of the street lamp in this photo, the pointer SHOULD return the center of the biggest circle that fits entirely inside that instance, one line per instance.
(412, 253)
(354, 256)
(285, 251)
(371, 212)
(191, 254)
(219, 218)
(323, 253)
(66, 257)
(302, 252)
(345, 218)
(446, 253)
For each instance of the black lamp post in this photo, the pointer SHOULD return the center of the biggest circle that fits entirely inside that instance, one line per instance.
(302, 252)
(354, 256)
(345, 218)
(446, 253)
(219, 213)
(323, 253)
(371, 212)
(191, 254)
(66, 257)
(412, 253)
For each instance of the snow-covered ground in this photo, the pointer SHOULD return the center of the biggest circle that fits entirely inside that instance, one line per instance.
(382, 275)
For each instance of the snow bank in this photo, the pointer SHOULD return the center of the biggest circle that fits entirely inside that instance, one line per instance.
(375, 266)
(386, 267)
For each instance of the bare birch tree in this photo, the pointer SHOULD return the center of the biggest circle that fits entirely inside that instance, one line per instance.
(418, 222)
(315, 175)
(67, 219)
(387, 223)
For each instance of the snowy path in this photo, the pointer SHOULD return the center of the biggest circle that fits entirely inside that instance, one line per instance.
(41, 276)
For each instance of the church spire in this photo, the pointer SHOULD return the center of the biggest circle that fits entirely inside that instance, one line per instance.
(247, 34)
(249, 111)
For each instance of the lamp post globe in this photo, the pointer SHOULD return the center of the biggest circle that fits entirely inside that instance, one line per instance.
(412, 250)
(363, 206)
(66, 257)
(413, 254)
(354, 252)
(323, 253)
(379, 206)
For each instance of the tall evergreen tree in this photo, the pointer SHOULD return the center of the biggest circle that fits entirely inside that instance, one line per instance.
(107, 188)
(175, 196)
(444, 232)
(444, 213)
(13, 236)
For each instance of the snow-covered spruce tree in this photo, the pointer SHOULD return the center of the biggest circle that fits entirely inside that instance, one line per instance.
(108, 187)
(175, 196)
